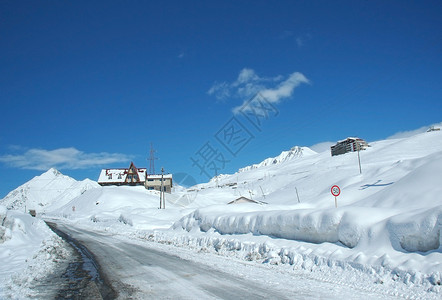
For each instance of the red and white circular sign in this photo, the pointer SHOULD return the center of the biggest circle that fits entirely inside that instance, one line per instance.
(335, 190)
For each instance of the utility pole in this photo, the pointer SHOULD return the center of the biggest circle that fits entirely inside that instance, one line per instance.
(359, 157)
(162, 189)
(152, 160)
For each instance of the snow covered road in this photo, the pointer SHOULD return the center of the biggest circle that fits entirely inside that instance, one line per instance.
(146, 270)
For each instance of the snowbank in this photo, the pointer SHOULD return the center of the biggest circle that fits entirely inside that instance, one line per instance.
(29, 250)
(350, 226)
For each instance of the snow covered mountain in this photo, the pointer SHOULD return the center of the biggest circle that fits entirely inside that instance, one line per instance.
(51, 188)
(294, 153)
(386, 223)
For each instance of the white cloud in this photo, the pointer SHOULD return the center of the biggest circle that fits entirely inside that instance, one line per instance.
(405, 134)
(245, 76)
(270, 95)
(62, 158)
(220, 90)
(285, 89)
(249, 83)
(322, 147)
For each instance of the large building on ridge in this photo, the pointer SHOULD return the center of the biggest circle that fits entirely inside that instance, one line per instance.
(350, 144)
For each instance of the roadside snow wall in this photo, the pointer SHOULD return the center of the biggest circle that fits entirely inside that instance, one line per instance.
(418, 231)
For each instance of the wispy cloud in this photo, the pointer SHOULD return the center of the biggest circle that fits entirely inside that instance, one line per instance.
(405, 134)
(285, 34)
(249, 83)
(299, 41)
(62, 158)
(302, 39)
(321, 147)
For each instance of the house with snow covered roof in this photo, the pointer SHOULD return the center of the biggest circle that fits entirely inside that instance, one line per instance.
(135, 176)
(243, 199)
(350, 144)
(153, 182)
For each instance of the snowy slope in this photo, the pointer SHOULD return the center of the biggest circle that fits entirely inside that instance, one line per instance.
(390, 216)
(131, 205)
(293, 153)
(51, 189)
(386, 225)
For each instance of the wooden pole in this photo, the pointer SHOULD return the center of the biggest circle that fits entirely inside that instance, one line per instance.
(297, 194)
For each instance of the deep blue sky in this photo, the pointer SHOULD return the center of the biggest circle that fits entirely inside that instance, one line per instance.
(86, 85)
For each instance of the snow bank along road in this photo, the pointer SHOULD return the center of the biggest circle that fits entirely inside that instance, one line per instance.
(146, 270)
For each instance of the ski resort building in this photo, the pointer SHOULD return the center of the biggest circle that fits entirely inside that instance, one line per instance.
(350, 144)
(135, 176)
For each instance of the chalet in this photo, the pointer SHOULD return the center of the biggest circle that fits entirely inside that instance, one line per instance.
(130, 176)
(135, 176)
(243, 199)
(350, 144)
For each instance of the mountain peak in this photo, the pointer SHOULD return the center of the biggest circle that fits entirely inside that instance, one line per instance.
(49, 188)
(294, 152)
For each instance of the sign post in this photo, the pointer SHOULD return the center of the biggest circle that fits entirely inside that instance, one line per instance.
(336, 191)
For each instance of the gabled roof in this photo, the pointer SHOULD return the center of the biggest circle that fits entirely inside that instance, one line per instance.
(119, 175)
(243, 199)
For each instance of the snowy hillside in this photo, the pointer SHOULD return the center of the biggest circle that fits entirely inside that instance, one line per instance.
(131, 205)
(388, 216)
(49, 189)
(386, 226)
(295, 152)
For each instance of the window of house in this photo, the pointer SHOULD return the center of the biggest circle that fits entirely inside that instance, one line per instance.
(109, 176)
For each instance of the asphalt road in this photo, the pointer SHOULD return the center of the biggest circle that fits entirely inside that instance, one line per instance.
(137, 271)
(131, 269)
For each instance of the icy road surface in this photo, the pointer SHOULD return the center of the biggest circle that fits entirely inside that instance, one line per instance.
(146, 270)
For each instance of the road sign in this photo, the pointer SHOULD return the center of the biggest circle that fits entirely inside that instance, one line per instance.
(335, 190)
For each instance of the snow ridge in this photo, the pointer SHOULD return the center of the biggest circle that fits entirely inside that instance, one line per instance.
(294, 153)
(51, 187)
